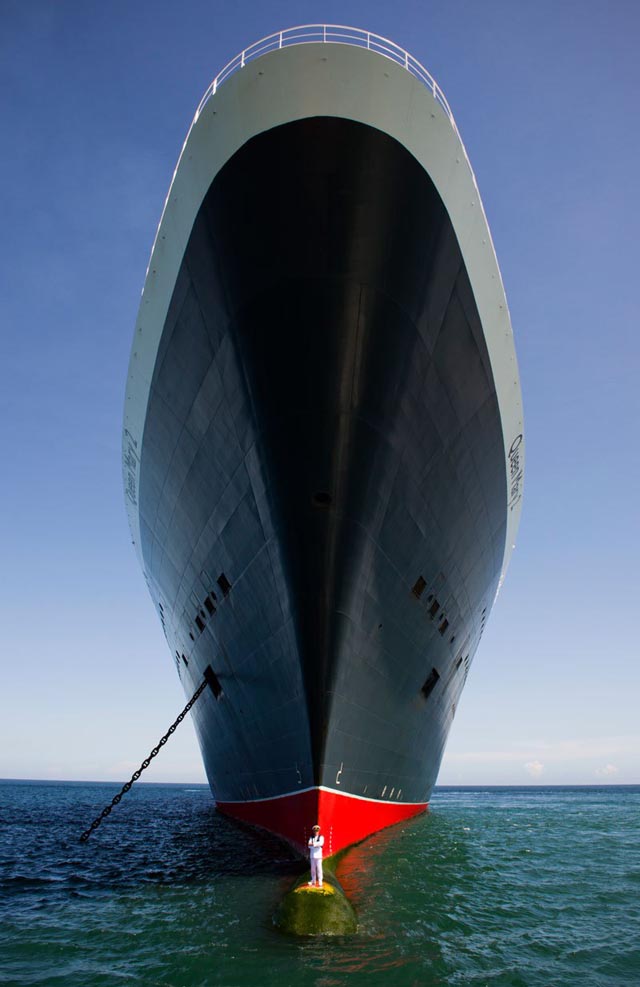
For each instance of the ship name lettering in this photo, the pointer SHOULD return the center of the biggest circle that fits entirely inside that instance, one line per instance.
(516, 472)
(131, 466)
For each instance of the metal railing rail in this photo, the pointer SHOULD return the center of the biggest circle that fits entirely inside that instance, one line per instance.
(333, 34)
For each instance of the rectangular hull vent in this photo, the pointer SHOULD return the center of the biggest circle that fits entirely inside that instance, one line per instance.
(213, 681)
(430, 683)
(419, 587)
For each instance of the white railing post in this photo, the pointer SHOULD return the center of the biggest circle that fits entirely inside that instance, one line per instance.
(341, 35)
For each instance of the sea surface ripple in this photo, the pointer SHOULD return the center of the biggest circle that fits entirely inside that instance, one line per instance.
(526, 887)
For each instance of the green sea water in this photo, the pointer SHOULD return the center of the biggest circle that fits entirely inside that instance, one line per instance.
(495, 886)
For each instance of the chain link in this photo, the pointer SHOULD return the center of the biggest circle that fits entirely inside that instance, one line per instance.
(145, 764)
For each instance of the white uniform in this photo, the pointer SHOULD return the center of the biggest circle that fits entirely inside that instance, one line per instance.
(316, 844)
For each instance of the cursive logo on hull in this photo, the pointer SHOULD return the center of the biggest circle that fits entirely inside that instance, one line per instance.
(516, 472)
(130, 463)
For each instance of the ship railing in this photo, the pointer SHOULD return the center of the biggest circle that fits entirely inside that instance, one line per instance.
(330, 34)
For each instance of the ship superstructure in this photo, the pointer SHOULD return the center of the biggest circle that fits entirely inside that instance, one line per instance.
(323, 435)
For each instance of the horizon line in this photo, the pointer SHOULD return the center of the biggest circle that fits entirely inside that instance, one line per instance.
(204, 784)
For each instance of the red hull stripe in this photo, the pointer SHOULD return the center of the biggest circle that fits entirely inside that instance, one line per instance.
(344, 819)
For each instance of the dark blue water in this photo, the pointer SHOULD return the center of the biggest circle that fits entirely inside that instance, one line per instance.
(506, 886)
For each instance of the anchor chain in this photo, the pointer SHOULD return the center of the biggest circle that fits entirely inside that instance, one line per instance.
(147, 761)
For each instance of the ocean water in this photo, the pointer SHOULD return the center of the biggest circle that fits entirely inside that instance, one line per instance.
(495, 886)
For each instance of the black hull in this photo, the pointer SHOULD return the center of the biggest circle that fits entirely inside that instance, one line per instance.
(323, 429)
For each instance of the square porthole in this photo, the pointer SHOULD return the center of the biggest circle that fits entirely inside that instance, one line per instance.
(419, 587)
(224, 584)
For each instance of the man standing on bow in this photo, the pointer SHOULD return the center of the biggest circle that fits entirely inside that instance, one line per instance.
(316, 843)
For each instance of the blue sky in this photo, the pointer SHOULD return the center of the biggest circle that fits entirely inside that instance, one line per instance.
(96, 99)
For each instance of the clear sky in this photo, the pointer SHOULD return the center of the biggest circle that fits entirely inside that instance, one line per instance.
(96, 99)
